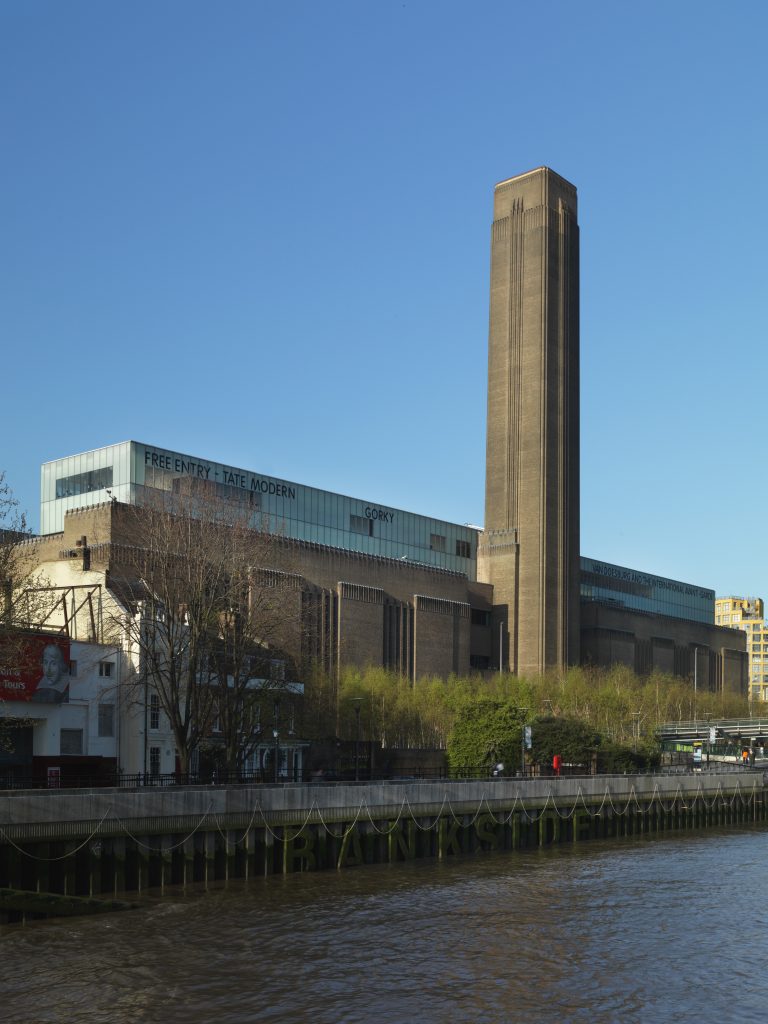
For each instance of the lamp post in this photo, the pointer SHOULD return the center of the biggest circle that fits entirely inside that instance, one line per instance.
(695, 681)
(523, 737)
(357, 702)
(635, 729)
(276, 735)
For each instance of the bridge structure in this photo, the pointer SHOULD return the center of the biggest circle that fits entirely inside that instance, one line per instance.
(724, 741)
(734, 729)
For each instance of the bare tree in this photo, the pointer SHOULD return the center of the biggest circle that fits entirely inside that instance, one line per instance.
(15, 564)
(212, 613)
(254, 657)
(18, 610)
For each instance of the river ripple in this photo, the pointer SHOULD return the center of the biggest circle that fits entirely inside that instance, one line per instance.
(602, 932)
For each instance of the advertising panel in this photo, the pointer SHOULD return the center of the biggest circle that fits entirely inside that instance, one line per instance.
(35, 668)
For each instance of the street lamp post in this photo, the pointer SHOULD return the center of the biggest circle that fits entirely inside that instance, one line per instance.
(635, 729)
(695, 681)
(357, 702)
(522, 741)
(708, 744)
(276, 735)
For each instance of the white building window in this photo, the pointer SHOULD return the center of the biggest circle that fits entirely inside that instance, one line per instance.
(106, 669)
(154, 711)
(106, 719)
(71, 741)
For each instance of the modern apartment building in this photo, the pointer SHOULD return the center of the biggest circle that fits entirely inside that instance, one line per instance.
(748, 614)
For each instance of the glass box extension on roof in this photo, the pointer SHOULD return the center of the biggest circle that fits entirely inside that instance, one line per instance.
(136, 474)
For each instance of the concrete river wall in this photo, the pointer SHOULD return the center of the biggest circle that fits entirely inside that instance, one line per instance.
(105, 842)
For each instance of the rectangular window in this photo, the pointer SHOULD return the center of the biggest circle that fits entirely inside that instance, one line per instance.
(480, 662)
(154, 760)
(437, 542)
(106, 719)
(185, 485)
(154, 711)
(105, 669)
(71, 741)
(359, 524)
(84, 483)
(277, 669)
(478, 617)
(463, 549)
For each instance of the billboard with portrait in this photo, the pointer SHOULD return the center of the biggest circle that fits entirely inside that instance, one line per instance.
(35, 669)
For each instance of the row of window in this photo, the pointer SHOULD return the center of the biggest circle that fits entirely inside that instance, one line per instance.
(752, 607)
(301, 505)
(72, 739)
(84, 483)
(361, 525)
(738, 622)
(106, 668)
(437, 541)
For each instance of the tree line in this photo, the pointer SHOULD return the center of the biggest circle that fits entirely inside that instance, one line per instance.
(477, 720)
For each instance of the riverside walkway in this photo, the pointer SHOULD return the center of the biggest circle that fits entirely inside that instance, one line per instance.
(114, 841)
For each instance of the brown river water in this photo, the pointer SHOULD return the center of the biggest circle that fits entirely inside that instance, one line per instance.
(622, 931)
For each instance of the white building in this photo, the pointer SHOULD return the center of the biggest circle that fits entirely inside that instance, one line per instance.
(60, 705)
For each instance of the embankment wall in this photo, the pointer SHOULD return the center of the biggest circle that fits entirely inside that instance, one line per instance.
(112, 841)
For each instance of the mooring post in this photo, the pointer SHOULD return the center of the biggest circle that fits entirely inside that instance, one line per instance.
(209, 856)
(166, 860)
(118, 861)
(95, 881)
(69, 873)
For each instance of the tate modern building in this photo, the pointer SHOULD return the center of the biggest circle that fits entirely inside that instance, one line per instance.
(383, 586)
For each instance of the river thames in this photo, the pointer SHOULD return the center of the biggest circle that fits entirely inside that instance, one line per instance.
(619, 931)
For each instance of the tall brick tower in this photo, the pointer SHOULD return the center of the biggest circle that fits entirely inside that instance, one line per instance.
(530, 548)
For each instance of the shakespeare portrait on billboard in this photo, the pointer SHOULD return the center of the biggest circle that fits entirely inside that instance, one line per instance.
(54, 682)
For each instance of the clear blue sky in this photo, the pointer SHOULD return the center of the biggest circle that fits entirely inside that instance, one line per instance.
(259, 232)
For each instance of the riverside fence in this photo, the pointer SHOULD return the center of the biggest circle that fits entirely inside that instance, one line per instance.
(109, 842)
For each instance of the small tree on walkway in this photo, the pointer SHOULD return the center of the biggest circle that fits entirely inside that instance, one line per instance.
(486, 732)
